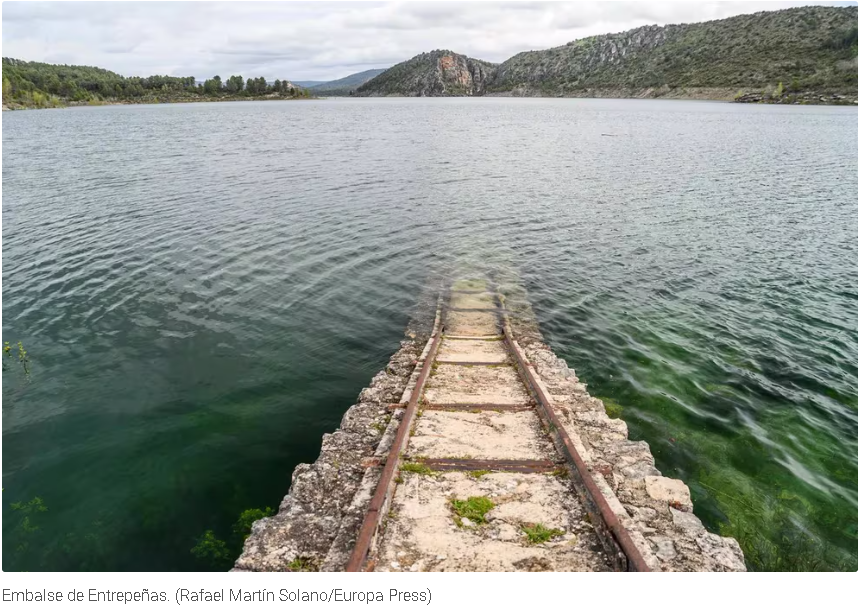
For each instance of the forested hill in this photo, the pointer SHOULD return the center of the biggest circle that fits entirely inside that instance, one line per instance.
(40, 85)
(804, 54)
(806, 49)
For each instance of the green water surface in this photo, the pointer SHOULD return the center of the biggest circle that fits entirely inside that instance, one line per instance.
(203, 290)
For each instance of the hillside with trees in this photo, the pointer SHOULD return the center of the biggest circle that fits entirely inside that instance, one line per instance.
(798, 55)
(30, 84)
(807, 49)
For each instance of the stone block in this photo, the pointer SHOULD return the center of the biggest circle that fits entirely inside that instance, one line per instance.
(669, 490)
(686, 521)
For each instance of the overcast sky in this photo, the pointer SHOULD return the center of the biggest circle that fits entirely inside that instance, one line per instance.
(316, 40)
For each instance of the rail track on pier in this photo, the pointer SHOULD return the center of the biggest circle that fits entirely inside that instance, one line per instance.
(481, 475)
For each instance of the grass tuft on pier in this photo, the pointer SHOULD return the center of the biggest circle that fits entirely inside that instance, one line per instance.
(538, 533)
(473, 508)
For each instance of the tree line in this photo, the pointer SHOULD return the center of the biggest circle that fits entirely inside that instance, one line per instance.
(34, 84)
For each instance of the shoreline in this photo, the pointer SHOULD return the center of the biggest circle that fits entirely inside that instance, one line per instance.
(811, 99)
(154, 103)
(705, 94)
(716, 94)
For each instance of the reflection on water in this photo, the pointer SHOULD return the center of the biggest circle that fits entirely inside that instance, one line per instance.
(204, 289)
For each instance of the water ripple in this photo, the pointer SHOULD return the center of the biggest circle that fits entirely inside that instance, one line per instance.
(204, 289)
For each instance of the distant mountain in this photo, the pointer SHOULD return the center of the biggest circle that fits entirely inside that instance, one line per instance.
(804, 54)
(438, 73)
(309, 83)
(345, 85)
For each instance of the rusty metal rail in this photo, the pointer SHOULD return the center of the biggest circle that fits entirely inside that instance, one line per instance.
(520, 466)
(466, 310)
(618, 541)
(473, 407)
(386, 482)
(614, 537)
(458, 363)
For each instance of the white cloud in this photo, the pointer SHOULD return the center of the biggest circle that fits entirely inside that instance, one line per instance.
(316, 40)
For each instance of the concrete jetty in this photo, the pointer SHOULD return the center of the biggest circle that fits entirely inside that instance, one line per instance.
(477, 449)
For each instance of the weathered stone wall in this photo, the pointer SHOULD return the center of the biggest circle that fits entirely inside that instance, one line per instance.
(317, 522)
(318, 515)
(657, 511)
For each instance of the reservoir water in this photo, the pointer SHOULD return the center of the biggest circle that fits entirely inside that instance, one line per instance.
(203, 290)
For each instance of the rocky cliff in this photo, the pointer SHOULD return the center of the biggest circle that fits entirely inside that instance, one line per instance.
(434, 74)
